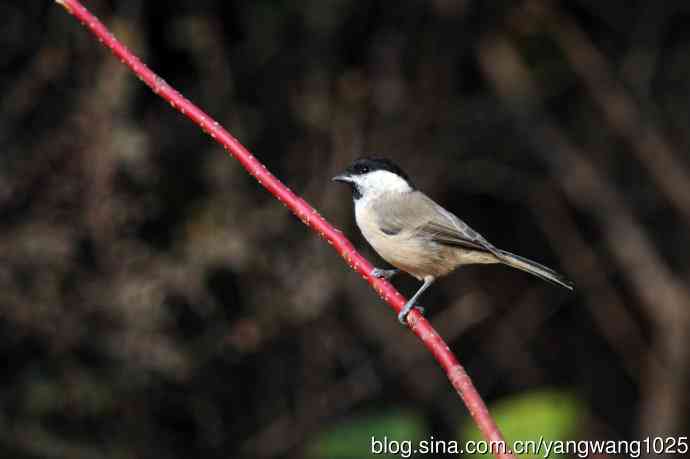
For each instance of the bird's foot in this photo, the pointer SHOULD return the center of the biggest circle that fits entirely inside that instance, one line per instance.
(402, 315)
(384, 273)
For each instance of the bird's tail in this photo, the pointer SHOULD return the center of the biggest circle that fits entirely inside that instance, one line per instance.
(533, 268)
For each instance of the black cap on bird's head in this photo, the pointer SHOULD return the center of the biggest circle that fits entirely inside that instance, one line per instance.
(368, 165)
(365, 165)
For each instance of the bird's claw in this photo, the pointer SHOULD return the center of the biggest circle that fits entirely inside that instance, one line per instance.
(384, 273)
(402, 315)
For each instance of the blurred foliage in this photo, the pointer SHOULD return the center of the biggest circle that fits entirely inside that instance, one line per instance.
(530, 416)
(353, 438)
(156, 302)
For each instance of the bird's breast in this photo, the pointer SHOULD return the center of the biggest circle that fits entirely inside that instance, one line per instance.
(403, 249)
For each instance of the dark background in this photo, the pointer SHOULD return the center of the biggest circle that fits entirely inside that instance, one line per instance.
(156, 302)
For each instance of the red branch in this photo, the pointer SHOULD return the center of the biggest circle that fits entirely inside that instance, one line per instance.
(417, 323)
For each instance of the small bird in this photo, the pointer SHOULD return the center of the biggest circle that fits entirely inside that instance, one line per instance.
(416, 235)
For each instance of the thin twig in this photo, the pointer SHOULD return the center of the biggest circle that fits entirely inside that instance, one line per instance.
(647, 141)
(659, 289)
(417, 323)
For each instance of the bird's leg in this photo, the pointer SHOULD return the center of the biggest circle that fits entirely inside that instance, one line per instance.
(402, 315)
(384, 273)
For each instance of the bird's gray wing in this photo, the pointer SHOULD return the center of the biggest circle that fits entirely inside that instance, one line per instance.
(416, 214)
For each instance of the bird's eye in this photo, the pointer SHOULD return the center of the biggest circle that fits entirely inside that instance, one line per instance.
(364, 169)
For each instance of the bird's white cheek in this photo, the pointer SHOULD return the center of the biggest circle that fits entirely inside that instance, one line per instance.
(361, 204)
(359, 211)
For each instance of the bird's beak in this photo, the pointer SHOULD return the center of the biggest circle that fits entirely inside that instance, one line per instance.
(342, 178)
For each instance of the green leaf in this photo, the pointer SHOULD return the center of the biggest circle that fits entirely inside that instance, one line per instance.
(551, 414)
(353, 438)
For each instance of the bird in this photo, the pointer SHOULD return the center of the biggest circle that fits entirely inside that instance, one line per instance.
(410, 231)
